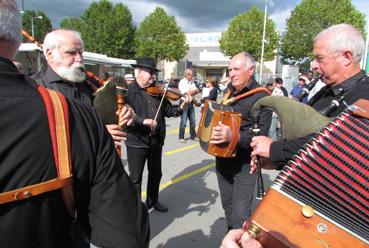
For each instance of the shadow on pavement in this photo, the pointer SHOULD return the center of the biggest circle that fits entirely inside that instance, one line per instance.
(192, 199)
(190, 196)
(197, 237)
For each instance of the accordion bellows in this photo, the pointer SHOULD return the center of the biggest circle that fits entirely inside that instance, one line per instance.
(331, 175)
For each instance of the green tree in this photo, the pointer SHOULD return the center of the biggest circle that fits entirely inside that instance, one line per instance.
(41, 26)
(72, 23)
(309, 18)
(245, 33)
(106, 28)
(159, 37)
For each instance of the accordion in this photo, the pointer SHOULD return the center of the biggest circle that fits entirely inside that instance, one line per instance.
(321, 197)
(211, 115)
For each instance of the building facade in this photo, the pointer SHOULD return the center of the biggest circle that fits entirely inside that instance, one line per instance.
(206, 59)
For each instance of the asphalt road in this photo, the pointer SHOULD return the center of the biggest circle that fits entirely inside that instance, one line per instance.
(189, 189)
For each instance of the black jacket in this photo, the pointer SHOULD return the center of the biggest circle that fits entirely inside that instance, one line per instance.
(104, 194)
(49, 79)
(145, 107)
(243, 106)
(213, 94)
(353, 89)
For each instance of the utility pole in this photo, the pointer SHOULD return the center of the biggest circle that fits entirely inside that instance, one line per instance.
(365, 61)
(263, 41)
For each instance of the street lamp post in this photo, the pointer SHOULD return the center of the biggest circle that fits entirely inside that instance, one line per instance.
(32, 27)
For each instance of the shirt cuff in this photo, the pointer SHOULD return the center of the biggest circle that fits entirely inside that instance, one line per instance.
(276, 151)
(138, 119)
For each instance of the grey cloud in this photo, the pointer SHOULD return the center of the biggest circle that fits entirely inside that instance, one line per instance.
(191, 15)
(56, 10)
(220, 8)
(201, 14)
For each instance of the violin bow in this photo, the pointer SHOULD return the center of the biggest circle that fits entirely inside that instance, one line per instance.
(161, 102)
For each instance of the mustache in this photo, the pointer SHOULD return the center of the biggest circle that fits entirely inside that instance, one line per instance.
(78, 66)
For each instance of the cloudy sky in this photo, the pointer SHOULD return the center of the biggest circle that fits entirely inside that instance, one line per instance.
(191, 15)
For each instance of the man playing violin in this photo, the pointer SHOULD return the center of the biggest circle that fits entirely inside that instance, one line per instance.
(236, 185)
(65, 73)
(146, 134)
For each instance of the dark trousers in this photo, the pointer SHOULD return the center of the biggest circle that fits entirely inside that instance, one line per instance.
(137, 158)
(188, 113)
(237, 194)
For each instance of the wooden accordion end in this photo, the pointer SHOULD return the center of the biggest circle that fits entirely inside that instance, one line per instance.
(212, 114)
(321, 197)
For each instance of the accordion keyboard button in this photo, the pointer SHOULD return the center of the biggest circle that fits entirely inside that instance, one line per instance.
(307, 211)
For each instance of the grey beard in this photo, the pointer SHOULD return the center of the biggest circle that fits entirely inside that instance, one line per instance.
(72, 74)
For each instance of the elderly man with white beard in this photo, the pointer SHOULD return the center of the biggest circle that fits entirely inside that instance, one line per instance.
(63, 50)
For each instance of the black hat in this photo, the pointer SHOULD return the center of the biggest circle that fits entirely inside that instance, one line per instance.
(146, 63)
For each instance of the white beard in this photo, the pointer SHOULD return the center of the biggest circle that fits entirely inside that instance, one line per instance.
(73, 73)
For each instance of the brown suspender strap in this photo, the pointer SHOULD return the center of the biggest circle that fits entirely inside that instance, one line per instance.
(57, 113)
(62, 155)
(228, 100)
(35, 189)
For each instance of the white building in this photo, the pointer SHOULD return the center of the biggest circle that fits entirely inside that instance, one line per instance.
(32, 58)
(206, 58)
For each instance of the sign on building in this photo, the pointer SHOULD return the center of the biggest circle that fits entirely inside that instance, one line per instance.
(203, 39)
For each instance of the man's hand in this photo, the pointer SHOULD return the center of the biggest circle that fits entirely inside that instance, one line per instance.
(220, 134)
(265, 164)
(187, 100)
(117, 134)
(126, 115)
(151, 124)
(261, 146)
(237, 237)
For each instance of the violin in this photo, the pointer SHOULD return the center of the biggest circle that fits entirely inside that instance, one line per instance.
(170, 94)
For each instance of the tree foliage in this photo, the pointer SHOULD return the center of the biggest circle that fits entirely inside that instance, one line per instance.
(106, 29)
(72, 23)
(245, 33)
(159, 37)
(40, 26)
(309, 18)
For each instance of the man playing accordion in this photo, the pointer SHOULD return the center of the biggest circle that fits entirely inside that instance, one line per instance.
(337, 53)
(236, 185)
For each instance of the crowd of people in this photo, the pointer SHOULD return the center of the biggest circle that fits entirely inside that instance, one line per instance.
(108, 207)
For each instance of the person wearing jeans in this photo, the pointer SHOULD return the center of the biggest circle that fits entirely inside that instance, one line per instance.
(187, 86)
